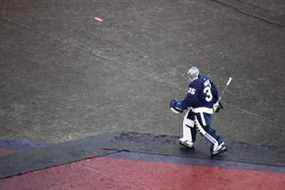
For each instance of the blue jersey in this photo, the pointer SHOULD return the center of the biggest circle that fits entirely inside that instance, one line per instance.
(202, 94)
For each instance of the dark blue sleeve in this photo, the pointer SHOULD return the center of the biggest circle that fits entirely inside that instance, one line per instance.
(191, 96)
(189, 101)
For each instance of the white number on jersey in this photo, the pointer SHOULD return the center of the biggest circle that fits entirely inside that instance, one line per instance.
(208, 92)
(192, 91)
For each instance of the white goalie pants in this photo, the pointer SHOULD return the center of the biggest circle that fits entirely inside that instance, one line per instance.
(200, 122)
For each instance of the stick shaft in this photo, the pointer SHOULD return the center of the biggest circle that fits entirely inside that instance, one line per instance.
(227, 84)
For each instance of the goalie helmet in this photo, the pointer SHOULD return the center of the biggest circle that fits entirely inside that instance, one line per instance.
(193, 73)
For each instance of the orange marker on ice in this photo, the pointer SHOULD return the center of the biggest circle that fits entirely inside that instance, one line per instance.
(98, 19)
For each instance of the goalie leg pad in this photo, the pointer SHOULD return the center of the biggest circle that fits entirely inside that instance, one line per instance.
(189, 130)
(207, 132)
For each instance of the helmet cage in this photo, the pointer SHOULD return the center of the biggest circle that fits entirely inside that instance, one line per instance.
(193, 73)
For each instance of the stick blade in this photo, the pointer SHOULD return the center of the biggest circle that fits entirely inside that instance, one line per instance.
(229, 81)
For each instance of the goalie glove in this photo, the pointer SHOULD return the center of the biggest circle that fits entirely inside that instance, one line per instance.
(176, 106)
(218, 106)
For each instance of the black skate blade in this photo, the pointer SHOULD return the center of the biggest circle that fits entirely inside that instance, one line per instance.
(186, 148)
(218, 153)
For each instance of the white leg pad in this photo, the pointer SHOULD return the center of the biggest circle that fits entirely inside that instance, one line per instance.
(205, 134)
(187, 123)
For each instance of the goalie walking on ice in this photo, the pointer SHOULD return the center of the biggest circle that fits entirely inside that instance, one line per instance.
(201, 102)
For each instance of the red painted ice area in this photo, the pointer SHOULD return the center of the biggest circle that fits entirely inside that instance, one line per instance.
(108, 173)
(5, 152)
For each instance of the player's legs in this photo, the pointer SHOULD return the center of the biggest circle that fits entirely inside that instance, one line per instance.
(203, 122)
(189, 131)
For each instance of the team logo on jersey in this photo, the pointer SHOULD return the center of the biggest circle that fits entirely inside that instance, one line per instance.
(191, 91)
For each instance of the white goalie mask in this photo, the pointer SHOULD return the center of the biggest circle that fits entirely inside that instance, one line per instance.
(193, 73)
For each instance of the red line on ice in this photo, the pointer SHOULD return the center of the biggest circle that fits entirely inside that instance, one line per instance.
(109, 173)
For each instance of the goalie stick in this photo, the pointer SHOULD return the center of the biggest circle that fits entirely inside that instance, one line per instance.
(227, 84)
